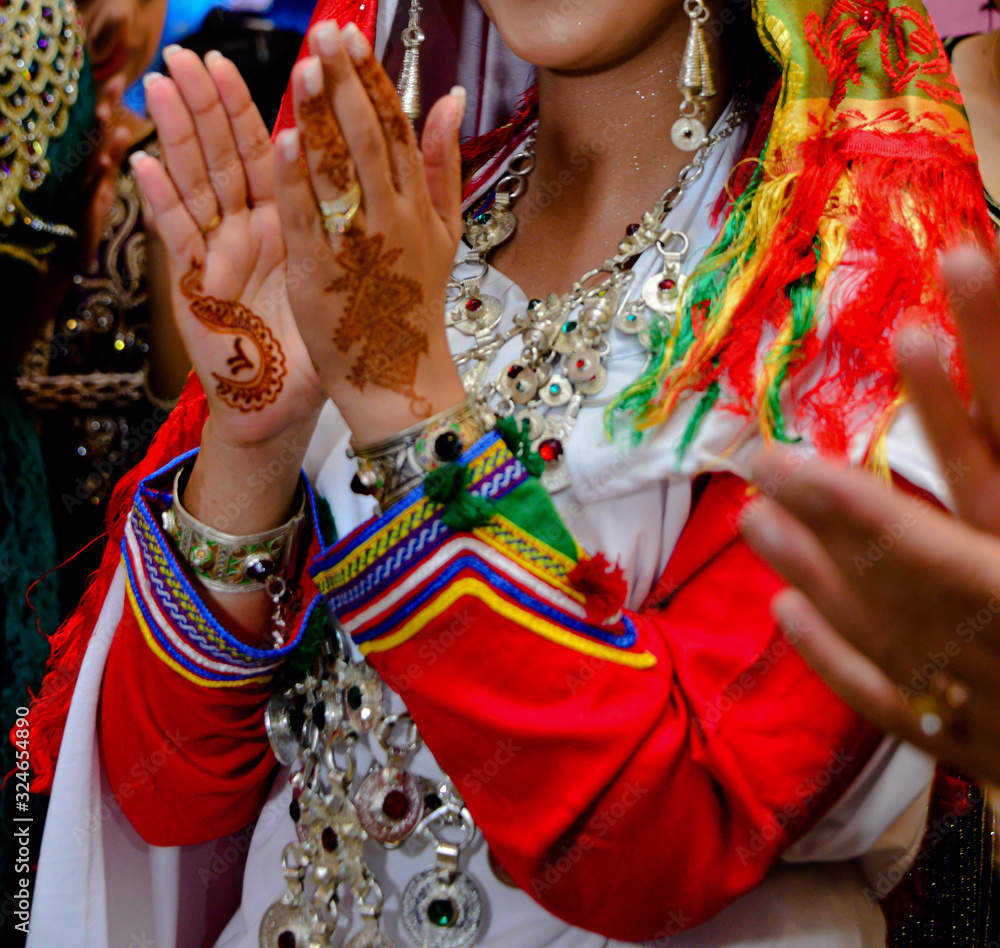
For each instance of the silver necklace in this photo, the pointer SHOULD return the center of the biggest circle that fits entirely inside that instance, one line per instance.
(319, 719)
(566, 337)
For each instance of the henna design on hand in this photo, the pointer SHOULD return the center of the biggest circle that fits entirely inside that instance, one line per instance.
(386, 101)
(322, 133)
(238, 362)
(375, 311)
(229, 316)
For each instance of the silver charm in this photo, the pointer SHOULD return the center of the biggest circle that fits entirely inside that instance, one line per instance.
(289, 926)
(595, 384)
(631, 321)
(556, 392)
(362, 698)
(389, 805)
(536, 423)
(408, 85)
(476, 313)
(280, 724)
(688, 133)
(442, 907)
(490, 228)
(439, 914)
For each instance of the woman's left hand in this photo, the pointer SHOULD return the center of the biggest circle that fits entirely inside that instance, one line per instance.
(897, 604)
(369, 301)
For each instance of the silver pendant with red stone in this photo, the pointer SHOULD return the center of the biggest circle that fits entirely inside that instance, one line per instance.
(389, 804)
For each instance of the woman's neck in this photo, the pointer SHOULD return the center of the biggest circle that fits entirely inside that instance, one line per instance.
(603, 156)
(976, 62)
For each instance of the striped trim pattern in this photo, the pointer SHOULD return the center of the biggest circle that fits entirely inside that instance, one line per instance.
(176, 624)
(392, 577)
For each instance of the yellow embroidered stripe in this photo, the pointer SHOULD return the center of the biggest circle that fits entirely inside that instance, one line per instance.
(480, 590)
(167, 660)
(408, 521)
(531, 554)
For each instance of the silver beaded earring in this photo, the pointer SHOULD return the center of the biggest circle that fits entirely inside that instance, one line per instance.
(696, 82)
(408, 85)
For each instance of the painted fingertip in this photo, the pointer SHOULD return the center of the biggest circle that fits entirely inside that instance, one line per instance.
(213, 55)
(357, 43)
(150, 78)
(460, 96)
(290, 148)
(327, 38)
(168, 52)
(312, 76)
(136, 157)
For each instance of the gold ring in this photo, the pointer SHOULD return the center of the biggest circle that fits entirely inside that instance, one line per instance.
(338, 213)
(942, 706)
(211, 225)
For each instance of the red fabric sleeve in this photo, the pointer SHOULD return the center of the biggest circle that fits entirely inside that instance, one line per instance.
(626, 799)
(180, 723)
(186, 763)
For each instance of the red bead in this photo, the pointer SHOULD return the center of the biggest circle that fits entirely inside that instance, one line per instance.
(667, 284)
(580, 363)
(473, 305)
(550, 449)
(329, 840)
(395, 805)
(867, 18)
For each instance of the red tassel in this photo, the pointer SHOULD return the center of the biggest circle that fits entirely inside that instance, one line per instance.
(604, 586)
(48, 711)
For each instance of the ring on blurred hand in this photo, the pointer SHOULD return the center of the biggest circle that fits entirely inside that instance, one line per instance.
(942, 706)
(211, 225)
(338, 213)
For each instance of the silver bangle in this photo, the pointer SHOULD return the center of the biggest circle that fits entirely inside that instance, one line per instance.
(391, 468)
(228, 563)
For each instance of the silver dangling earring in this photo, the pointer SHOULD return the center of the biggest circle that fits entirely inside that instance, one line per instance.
(408, 85)
(696, 82)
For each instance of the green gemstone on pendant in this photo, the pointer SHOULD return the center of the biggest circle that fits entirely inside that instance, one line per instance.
(569, 325)
(554, 388)
(631, 317)
(441, 912)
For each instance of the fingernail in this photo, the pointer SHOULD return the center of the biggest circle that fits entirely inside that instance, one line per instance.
(290, 145)
(312, 75)
(459, 95)
(212, 55)
(150, 78)
(168, 52)
(327, 38)
(357, 43)
(136, 157)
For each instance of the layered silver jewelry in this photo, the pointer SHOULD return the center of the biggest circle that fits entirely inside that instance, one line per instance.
(566, 337)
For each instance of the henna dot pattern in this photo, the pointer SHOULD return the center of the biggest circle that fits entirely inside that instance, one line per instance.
(229, 316)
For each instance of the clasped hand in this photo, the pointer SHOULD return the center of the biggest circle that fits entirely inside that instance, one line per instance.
(278, 311)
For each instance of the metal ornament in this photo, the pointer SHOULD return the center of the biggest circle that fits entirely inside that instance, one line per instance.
(389, 805)
(289, 926)
(282, 725)
(564, 329)
(408, 85)
(696, 82)
(442, 907)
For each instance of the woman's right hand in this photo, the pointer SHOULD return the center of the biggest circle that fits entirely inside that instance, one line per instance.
(212, 204)
(211, 201)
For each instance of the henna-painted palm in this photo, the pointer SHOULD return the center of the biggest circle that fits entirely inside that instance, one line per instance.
(212, 202)
(371, 310)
